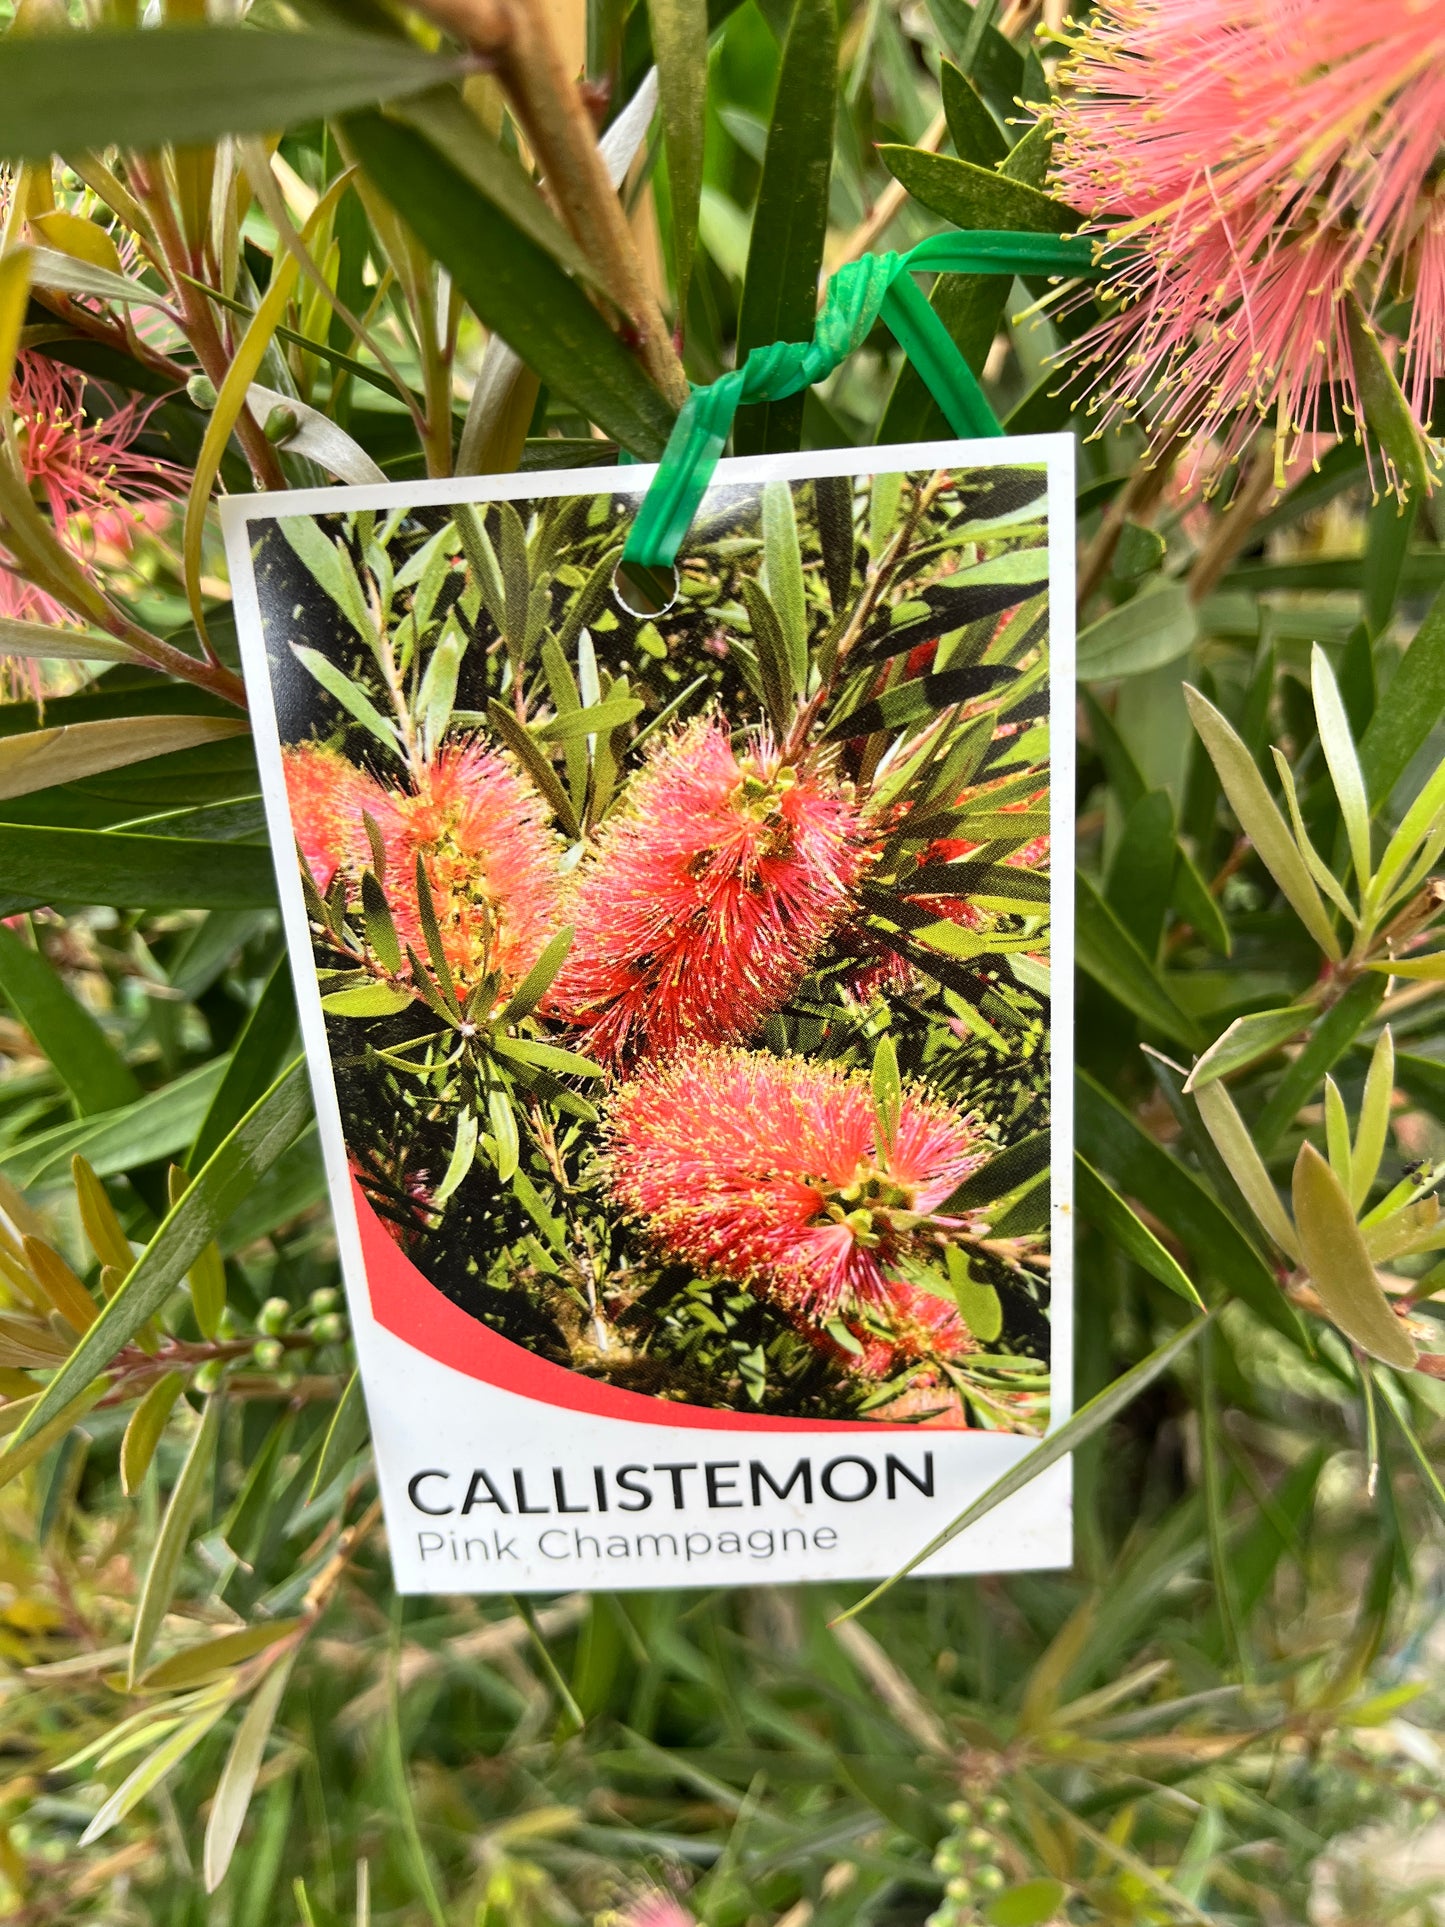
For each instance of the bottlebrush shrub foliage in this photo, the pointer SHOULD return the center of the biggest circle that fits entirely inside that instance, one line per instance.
(213, 1711)
(553, 849)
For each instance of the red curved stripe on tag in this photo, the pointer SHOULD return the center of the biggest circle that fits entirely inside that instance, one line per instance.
(412, 1309)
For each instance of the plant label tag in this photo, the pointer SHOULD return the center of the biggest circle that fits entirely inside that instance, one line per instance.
(674, 955)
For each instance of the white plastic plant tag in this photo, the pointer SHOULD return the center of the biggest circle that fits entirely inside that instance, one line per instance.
(674, 962)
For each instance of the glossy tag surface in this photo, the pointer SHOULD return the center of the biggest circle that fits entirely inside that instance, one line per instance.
(686, 993)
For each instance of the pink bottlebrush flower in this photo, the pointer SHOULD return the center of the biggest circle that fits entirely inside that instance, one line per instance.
(83, 466)
(86, 472)
(768, 1171)
(491, 858)
(915, 1326)
(328, 796)
(708, 898)
(1261, 160)
(655, 1910)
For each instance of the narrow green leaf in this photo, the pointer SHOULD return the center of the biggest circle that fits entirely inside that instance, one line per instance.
(1109, 954)
(503, 1120)
(70, 92)
(237, 1165)
(1330, 1039)
(790, 222)
(196, 1663)
(144, 1430)
(238, 1775)
(1374, 1122)
(524, 745)
(1033, 1903)
(173, 1538)
(1344, 764)
(38, 759)
(448, 121)
(1410, 708)
(600, 720)
(380, 928)
(152, 1771)
(1260, 819)
(134, 872)
(343, 1436)
(1339, 1266)
(1424, 819)
(975, 133)
(887, 1093)
(975, 197)
(1429, 969)
(679, 45)
(1337, 1133)
(352, 697)
(1247, 1039)
(97, 1215)
(1323, 875)
(259, 1054)
(1141, 870)
(1241, 1156)
(1097, 1201)
(783, 576)
(512, 284)
(1155, 627)
(774, 662)
(438, 693)
(159, 1125)
(1143, 1169)
(32, 1441)
(464, 1150)
(367, 1000)
(538, 980)
(1424, 1465)
(1015, 1166)
(1388, 415)
(79, 1051)
(1100, 1411)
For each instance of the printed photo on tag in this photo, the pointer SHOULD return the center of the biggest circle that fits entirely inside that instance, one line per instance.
(685, 984)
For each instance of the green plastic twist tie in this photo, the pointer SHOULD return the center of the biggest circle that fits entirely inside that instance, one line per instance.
(874, 287)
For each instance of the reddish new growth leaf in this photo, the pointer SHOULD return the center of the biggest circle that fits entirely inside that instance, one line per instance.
(768, 1171)
(709, 896)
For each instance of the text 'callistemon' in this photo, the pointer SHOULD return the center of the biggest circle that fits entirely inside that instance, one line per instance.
(1259, 165)
(710, 894)
(769, 1171)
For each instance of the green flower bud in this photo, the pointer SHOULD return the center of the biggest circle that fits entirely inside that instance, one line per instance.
(326, 1299)
(281, 424)
(274, 1317)
(980, 1841)
(208, 1378)
(947, 1859)
(329, 1330)
(995, 1811)
(202, 391)
(268, 1353)
(959, 1888)
(959, 1812)
(989, 1880)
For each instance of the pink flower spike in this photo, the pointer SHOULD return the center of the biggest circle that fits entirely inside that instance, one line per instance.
(327, 796)
(656, 1910)
(768, 1171)
(1259, 161)
(709, 896)
(491, 857)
